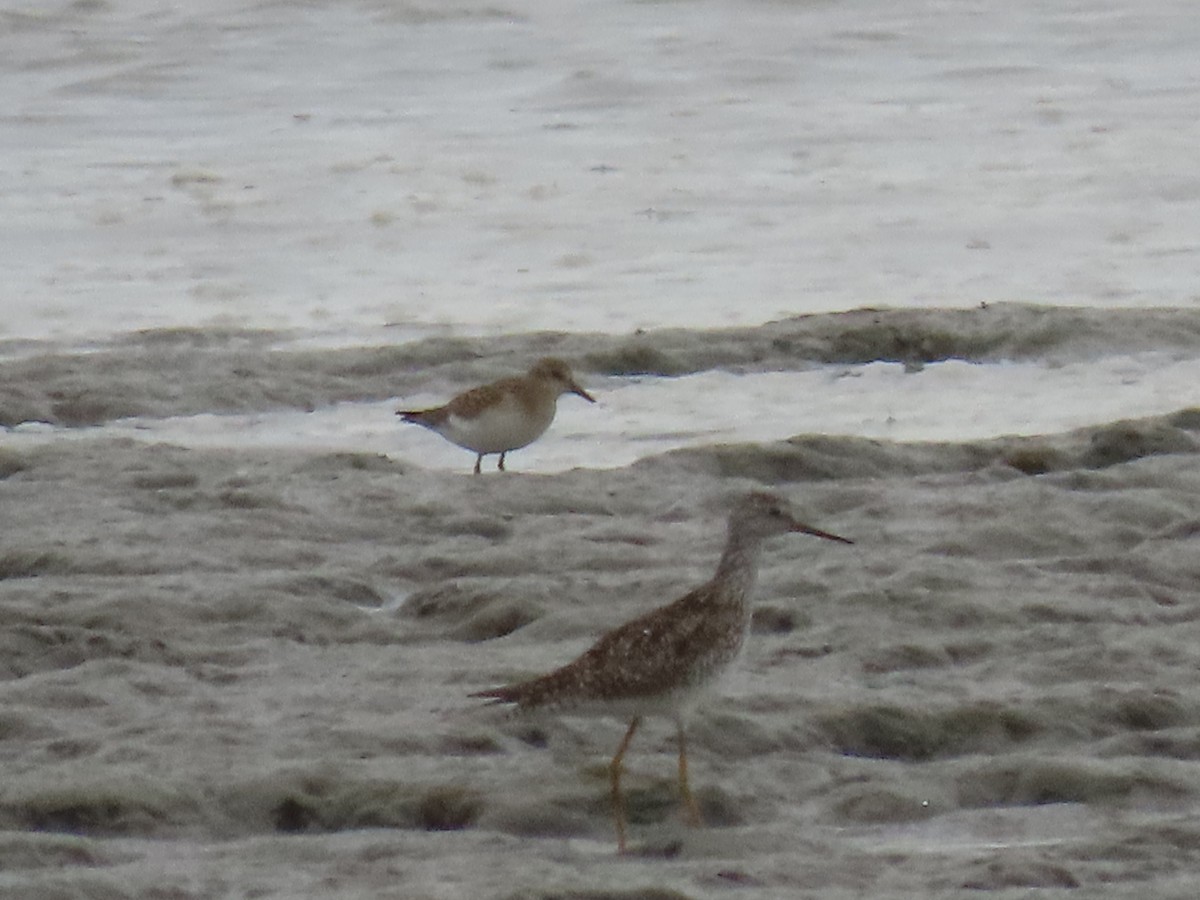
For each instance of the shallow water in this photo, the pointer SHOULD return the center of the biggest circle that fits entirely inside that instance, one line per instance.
(338, 168)
(645, 416)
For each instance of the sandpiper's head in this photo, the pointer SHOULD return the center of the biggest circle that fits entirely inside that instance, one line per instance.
(762, 514)
(558, 373)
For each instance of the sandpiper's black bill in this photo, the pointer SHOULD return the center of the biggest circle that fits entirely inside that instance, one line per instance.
(817, 532)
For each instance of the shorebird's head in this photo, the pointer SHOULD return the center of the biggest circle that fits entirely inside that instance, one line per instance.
(764, 514)
(558, 373)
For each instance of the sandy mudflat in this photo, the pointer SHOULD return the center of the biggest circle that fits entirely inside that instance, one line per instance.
(244, 674)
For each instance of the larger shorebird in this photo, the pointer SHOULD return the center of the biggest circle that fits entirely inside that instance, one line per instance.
(664, 662)
(505, 415)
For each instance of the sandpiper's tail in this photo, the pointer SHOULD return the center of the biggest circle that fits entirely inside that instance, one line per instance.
(430, 418)
(546, 691)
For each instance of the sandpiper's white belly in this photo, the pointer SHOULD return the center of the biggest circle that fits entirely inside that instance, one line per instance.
(504, 426)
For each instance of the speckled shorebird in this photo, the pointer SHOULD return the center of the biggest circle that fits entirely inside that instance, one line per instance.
(662, 663)
(505, 415)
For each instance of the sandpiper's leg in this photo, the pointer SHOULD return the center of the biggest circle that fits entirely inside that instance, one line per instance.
(501, 465)
(689, 802)
(614, 778)
(478, 460)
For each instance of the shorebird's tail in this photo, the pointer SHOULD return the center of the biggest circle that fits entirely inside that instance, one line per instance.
(427, 417)
(547, 691)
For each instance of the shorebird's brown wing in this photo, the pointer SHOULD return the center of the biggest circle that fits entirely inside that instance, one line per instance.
(471, 403)
(654, 651)
(649, 655)
(467, 405)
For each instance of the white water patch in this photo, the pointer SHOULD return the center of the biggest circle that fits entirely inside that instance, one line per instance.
(367, 169)
(634, 418)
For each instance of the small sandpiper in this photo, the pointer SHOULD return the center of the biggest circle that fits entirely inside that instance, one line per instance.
(664, 662)
(505, 415)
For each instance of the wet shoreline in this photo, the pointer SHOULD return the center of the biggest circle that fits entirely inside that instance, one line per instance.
(271, 650)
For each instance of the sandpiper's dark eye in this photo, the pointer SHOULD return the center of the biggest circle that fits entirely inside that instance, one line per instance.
(776, 511)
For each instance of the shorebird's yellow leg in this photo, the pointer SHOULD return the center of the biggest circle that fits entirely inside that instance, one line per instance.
(501, 465)
(693, 809)
(614, 779)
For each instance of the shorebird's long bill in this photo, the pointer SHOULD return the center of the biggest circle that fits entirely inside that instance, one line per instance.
(817, 532)
(576, 389)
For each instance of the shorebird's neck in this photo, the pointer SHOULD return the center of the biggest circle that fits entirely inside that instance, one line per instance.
(738, 569)
(540, 393)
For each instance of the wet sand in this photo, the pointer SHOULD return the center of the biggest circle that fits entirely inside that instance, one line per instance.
(244, 673)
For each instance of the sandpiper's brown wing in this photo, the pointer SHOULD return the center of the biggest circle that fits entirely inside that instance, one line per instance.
(471, 403)
(650, 655)
(466, 405)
